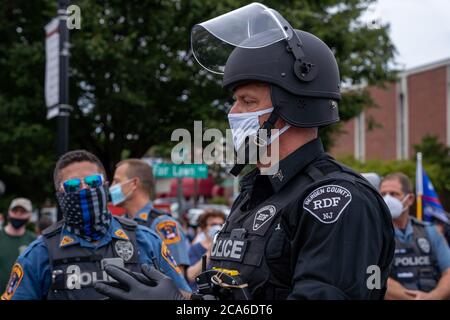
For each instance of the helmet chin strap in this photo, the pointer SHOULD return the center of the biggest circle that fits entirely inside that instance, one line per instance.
(267, 125)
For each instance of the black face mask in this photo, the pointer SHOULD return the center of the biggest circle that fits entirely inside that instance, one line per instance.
(17, 223)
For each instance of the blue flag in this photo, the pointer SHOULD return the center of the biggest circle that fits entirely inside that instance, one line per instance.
(432, 207)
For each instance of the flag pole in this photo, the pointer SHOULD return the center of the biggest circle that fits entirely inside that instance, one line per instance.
(419, 186)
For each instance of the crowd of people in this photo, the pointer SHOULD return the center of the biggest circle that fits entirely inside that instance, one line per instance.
(158, 237)
(30, 258)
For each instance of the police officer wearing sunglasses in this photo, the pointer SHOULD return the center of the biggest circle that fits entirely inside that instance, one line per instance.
(312, 228)
(72, 254)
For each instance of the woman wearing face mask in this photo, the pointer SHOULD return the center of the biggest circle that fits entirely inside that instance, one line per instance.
(14, 238)
(210, 222)
(421, 266)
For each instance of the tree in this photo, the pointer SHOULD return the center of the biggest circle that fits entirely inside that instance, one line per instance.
(133, 78)
(437, 154)
(26, 138)
(436, 162)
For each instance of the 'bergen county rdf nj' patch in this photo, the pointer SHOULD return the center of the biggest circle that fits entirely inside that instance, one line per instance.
(326, 203)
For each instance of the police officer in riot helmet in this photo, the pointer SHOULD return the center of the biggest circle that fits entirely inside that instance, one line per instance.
(305, 226)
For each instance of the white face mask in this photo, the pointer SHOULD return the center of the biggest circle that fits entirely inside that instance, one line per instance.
(213, 230)
(116, 193)
(247, 124)
(395, 206)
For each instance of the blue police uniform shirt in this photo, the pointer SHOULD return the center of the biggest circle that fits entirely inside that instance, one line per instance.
(196, 252)
(35, 280)
(438, 244)
(170, 232)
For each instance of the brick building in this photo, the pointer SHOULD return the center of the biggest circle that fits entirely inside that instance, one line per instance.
(416, 105)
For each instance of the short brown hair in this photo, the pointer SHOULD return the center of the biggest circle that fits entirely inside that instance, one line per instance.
(75, 156)
(209, 213)
(139, 169)
(402, 178)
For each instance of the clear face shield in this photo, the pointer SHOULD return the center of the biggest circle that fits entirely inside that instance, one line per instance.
(251, 27)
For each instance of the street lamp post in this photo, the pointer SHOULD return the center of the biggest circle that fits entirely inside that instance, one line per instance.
(64, 108)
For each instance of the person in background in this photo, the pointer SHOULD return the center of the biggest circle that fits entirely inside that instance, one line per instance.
(210, 222)
(443, 227)
(43, 223)
(131, 189)
(199, 235)
(14, 238)
(421, 266)
(188, 229)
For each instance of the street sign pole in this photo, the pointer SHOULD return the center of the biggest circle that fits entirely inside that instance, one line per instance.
(180, 196)
(195, 192)
(62, 143)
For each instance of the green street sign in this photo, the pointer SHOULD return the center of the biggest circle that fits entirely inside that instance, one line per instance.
(170, 170)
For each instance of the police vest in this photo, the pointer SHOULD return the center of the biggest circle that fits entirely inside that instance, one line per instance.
(152, 215)
(415, 264)
(76, 269)
(255, 243)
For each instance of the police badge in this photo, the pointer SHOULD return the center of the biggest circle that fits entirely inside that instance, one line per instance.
(424, 245)
(124, 249)
(263, 215)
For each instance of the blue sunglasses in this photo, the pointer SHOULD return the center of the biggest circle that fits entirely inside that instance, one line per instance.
(74, 185)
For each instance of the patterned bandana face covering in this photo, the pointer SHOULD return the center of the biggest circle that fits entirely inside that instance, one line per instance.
(85, 212)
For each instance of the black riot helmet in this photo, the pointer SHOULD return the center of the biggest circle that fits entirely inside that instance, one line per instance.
(304, 92)
(255, 43)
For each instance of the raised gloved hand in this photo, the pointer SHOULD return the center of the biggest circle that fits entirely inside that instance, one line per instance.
(150, 285)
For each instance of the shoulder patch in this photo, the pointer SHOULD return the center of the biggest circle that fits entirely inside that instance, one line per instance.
(121, 234)
(66, 240)
(165, 252)
(143, 216)
(326, 203)
(13, 282)
(168, 231)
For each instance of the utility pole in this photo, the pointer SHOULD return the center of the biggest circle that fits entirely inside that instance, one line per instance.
(64, 108)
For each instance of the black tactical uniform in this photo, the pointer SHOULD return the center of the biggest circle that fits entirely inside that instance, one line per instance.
(309, 231)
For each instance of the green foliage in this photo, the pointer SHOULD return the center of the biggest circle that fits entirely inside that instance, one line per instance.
(437, 154)
(133, 79)
(26, 138)
(436, 162)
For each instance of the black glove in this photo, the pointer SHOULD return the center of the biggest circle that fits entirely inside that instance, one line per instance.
(150, 285)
